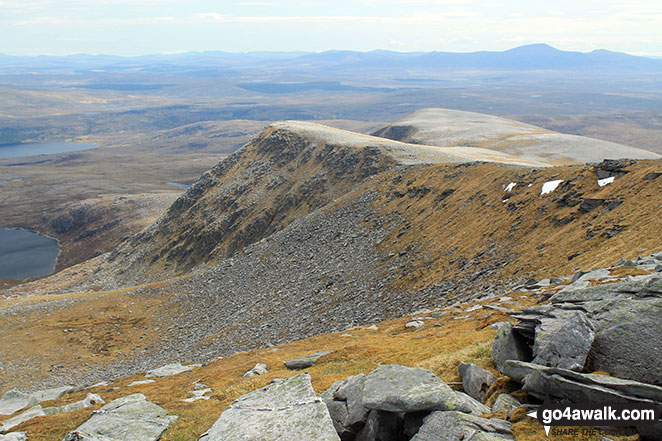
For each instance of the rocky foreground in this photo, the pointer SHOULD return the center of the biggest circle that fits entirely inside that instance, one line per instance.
(591, 338)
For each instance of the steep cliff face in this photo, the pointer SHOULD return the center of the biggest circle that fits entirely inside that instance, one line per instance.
(276, 178)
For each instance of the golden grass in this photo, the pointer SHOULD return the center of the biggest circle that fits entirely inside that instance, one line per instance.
(440, 345)
(474, 221)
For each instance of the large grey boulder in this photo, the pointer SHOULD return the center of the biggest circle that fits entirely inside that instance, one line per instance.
(395, 388)
(561, 338)
(627, 324)
(287, 410)
(306, 361)
(508, 344)
(454, 426)
(569, 386)
(476, 381)
(128, 418)
(615, 326)
(563, 341)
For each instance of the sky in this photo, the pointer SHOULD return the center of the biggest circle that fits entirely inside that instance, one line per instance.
(138, 27)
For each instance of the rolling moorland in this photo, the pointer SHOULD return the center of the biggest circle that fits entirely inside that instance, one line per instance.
(433, 229)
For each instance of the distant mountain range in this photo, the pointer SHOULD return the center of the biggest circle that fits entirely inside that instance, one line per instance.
(529, 57)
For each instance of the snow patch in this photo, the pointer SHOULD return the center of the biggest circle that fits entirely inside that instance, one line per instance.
(605, 181)
(511, 186)
(550, 186)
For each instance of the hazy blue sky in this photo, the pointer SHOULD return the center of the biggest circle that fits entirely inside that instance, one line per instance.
(133, 27)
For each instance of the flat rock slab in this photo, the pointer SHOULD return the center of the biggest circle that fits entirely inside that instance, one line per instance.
(130, 418)
(306, 361)
(565, 385)
(170, 369)
(454, 426)
(287, 410)
(395, 388)
(15, 400)
(37, 411)
(14, 436)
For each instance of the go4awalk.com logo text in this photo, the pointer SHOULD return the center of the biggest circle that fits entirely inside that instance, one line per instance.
(585, 420)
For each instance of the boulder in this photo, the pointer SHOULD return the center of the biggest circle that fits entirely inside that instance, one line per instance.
(395, 388)
(626, 319)
(505, 402)
(128, 418)
(453, 426)
(509, 345)
(476, 381)
(563, 339)
(286, 410)
(170, 369)
(259, 369)
(306, 361)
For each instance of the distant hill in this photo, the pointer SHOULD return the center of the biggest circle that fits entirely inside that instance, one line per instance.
(528, 57)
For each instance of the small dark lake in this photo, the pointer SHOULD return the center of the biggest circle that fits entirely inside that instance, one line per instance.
(25, 254)
(41, 148)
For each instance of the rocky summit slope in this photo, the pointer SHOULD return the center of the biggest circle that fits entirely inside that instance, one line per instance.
(307, 230)
(287, 172)
(455, 128)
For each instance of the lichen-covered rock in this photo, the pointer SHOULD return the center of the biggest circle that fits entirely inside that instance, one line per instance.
(471, 405)
(509, 345)
(127, 418)
(453, 426)
(286, 410)
(476, 381)
(306, 361)
(561, 338)
(395, 388)
(345, 402)
(505, 402)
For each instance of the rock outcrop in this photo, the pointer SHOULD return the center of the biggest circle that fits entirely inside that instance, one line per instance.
(286, 410)
(390, 403)
(127, 418)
